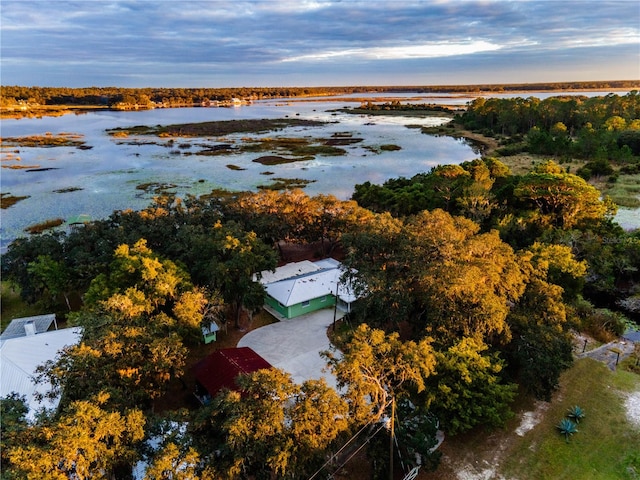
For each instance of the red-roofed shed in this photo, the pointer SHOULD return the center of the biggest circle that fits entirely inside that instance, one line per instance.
(220, 370)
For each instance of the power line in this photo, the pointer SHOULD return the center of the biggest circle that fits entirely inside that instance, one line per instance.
(358, 449)
(341, 449)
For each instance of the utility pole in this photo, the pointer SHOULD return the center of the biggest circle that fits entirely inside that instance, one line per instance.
(393, 415)
(335, 306)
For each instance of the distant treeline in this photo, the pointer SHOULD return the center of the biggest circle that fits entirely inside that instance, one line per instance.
(107, 96)
(598, 128)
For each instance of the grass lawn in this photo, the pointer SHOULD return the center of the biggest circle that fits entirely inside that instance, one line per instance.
(606, 445)
(626, 191)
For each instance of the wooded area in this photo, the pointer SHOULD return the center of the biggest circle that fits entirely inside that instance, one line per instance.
(111, 96)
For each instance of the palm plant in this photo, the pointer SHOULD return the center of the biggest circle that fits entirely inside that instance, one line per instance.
(576, 413)
(567, 428)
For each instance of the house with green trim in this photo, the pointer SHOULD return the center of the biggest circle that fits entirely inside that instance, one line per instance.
(302, 287)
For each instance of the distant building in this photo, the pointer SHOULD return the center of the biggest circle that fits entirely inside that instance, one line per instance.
(302, 287)
(21, 327)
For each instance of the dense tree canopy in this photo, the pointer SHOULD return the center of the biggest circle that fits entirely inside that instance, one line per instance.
(136, 323)
(10, 94)
(86, 442)
(437, 273)
(272, 427)
(468, 389)
(560, 199)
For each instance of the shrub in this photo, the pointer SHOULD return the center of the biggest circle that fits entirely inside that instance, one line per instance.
(631, 169)
(576, 414)
(631, 139)
(567, 428)
(596, 168)
(604, 325)
(513, 149)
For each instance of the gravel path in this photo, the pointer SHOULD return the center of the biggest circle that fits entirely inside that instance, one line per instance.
(608, 353)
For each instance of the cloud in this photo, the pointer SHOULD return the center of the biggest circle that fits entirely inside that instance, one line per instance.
(145, 42)
(432, 50)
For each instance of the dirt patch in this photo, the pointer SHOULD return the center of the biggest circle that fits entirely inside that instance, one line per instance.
(632, 405)
(480, 453)
(532, 418)
(471, 473)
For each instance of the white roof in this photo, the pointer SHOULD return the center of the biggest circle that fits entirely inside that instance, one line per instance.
(301, 289)
(19, 358)
(16, 327)
(289, 270)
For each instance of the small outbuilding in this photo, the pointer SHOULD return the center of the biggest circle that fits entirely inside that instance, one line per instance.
(210, 332)
(220, 370)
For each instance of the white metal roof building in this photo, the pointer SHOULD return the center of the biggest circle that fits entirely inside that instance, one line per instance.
(289, 270)
(21, 327)
(20, 357)
(307, 287)
(301, 287)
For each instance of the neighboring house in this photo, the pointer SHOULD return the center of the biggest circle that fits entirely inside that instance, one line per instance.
(21, 327)
(219, 370)
(303, 287)
(21, 355)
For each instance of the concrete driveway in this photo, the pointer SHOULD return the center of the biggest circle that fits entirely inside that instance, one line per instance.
(294, 345)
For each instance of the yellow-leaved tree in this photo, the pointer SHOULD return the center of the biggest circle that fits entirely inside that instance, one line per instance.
(88, 441)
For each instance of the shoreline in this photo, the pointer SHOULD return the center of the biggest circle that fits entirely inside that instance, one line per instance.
(19, 111)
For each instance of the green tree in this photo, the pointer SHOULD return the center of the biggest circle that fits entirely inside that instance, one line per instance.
(13, 424)
(435, 273)
(560, 199)
(136, 322)
(54, 276)
(223, 258)
(137, 269)
(134, 364)
(558, 265)
(240, 256)
(541, 347)
(468, 389)
(22, 253)
(170, 462)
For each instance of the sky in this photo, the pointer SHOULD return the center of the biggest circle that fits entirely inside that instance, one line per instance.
(216, 43)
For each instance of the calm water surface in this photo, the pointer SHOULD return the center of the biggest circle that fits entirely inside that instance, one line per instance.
(110, 171)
